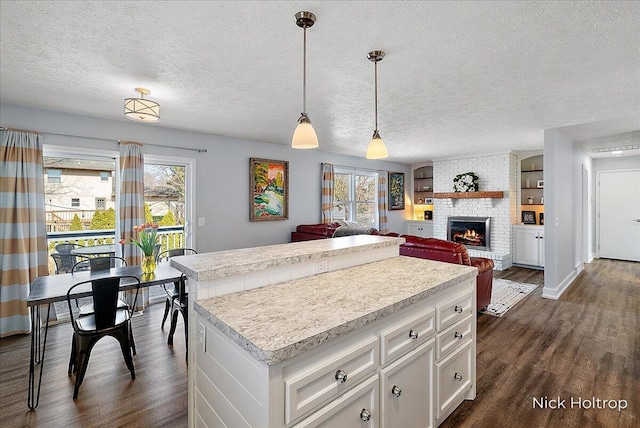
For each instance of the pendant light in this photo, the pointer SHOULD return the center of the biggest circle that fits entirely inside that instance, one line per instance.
(304, 137)
(141, 109)
(376, 149)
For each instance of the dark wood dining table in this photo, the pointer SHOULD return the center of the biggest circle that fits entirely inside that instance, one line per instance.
(46, 290)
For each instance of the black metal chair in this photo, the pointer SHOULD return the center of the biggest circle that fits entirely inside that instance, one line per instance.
(97, 264)
(177, 297)
(64, 262)
(172, 290)
(108, 320)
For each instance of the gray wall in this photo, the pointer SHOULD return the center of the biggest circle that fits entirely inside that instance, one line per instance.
(222, 177)
(564, 238)
(625, 162)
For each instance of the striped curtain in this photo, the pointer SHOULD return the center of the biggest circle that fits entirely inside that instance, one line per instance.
(383, 204)
(327, 193)
(132, 208)
(23, 235)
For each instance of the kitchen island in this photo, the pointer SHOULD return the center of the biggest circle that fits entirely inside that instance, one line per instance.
(367, 338)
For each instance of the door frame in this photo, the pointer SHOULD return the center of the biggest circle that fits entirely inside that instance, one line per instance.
(597, 249)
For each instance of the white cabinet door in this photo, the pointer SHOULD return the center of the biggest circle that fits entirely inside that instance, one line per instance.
(422, 230)
(528, 246)
(406, 389)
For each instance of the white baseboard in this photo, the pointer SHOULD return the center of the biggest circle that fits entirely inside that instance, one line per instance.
(555, 293)
(591, 257)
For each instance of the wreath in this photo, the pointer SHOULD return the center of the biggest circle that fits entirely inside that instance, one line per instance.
(467, 182)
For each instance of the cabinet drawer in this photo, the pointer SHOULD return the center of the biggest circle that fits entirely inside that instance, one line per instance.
(347, 410)
(455, 335)
(406, 335)
(306, 390)
(453, 310)
(453, 376)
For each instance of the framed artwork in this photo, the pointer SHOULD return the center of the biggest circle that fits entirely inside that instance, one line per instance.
(529, 217)
(268, 189)
(396, 190)
(541, 218)
(540, 184)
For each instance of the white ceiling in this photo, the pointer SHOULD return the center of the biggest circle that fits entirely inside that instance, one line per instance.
(458, 78)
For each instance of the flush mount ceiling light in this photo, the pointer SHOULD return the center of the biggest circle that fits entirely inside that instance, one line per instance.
(141, 109)
(304, 137)
(376, 149)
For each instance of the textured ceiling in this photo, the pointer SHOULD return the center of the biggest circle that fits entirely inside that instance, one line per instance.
(458, 78)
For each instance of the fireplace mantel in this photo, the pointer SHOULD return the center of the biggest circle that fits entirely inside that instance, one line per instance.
(469, 195)
(451, 197)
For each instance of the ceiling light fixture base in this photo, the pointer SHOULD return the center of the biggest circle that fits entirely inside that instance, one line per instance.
(305, 19)
(375, 56)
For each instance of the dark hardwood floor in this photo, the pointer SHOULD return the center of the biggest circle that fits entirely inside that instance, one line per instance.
(587, 344)
(108, 397)
(584, 345)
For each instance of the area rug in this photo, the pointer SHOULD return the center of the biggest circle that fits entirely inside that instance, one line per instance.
(505, 295)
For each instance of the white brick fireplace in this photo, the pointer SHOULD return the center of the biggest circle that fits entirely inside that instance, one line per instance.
(495, 172)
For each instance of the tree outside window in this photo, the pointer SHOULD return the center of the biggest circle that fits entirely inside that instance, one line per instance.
(356, 197)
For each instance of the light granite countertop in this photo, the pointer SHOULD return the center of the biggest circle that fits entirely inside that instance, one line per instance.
(222, 264)
(277, 322)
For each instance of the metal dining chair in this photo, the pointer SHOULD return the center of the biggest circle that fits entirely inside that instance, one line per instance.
(172, 290)
(64, 262)
(107, 320)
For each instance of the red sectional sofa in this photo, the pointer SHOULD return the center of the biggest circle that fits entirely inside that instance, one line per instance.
(424, 248)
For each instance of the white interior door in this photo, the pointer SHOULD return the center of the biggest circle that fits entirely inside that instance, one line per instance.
(619, 214)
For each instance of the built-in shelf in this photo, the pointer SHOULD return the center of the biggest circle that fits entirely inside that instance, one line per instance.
(532, 188)
(469, 195)
(532, 205)
(533, 170)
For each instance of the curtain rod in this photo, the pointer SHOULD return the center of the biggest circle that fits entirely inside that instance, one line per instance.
(3, 128)
(356, 168)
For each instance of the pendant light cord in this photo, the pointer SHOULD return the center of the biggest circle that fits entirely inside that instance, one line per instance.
(304, 73)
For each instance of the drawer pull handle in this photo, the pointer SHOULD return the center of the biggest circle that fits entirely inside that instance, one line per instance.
(365, 415)
(457, 377)
(413, 334)
(341, 376)
(396, 391)
(458, 335)
(458, 309)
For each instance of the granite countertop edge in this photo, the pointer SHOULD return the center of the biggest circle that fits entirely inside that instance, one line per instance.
(275, 356)
(252, 266)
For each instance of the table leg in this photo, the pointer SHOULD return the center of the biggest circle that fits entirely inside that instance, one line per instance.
(37, 355)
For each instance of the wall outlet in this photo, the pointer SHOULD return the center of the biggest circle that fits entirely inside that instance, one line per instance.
(200, 221)
(202, 336)
(320, 267)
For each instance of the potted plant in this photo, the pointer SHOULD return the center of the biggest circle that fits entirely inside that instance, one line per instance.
(147, 240)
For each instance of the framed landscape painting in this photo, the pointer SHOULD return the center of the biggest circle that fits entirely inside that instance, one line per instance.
(396, 190)
(269, 189)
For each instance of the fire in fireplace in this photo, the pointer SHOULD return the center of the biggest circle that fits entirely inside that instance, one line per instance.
(472, 232)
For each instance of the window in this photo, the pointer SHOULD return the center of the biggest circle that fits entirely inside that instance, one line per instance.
(53, 176)
(75, 202)
(101, 203)
(356, 196)
(105, 175)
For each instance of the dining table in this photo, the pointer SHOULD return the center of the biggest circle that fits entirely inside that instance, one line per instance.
(95, 250)
(46, 290)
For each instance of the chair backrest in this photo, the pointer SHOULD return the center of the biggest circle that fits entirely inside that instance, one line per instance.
(166, 255)
(104, 292)
(66, 248)
(64, 262)
(98, 263)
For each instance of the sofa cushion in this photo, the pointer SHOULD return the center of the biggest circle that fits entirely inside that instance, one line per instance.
(354, 230)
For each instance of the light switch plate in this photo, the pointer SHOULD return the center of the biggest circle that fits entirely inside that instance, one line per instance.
(202, 336)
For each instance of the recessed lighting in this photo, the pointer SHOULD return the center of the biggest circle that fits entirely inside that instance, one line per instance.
(616, 152)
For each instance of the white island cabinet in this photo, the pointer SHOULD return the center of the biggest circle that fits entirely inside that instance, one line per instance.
(363, 342)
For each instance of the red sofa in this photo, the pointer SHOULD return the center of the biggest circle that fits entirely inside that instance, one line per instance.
(308, 232)
(451, 252)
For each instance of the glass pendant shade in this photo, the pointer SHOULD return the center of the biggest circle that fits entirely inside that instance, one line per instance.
(141, 109)
(377, 149)
(304, 136)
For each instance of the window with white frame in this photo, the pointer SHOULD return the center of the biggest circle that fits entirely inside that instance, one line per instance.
(53, 176)
(75, 202)
(356, 196)
(105, 175)
(101, 203)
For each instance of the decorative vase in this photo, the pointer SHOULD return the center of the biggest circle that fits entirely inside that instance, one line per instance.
(148, 264)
